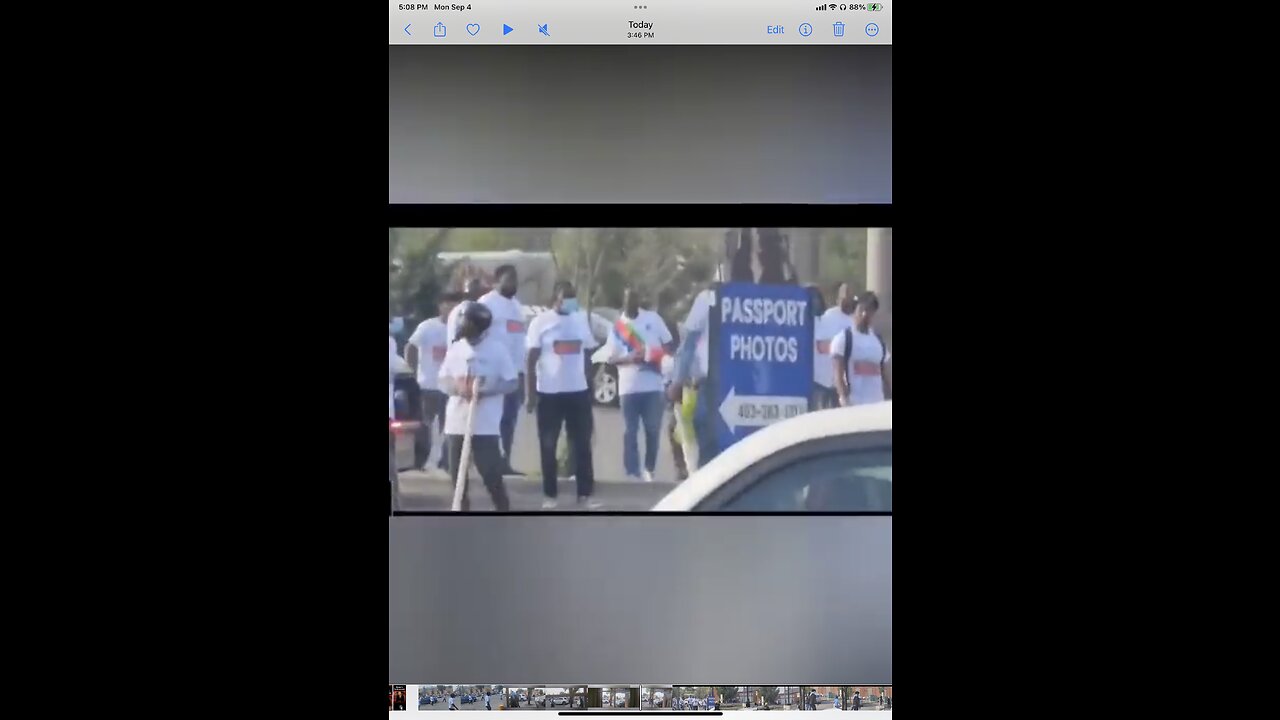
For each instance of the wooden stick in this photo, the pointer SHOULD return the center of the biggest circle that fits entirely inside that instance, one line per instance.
(464, 463)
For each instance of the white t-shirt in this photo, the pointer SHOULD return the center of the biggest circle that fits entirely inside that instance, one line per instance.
(652, 332)
(699, 320)
(562, 339)
(832, 323)
(508, 320)
(450, 701)
(864, 366)
(487, 359)
(431, 341)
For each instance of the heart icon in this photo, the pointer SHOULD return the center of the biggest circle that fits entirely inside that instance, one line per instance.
(473, 28)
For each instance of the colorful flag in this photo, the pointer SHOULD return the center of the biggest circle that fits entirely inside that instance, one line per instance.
(630, 337)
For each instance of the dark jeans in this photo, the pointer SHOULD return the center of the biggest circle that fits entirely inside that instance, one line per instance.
(573, 412)
(510, 411)
(572, 461)
(486, 457)
(704, 426)
(638, 408)
(824, 398)
(431, 410)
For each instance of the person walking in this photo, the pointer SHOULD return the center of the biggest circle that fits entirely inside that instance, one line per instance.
(508, 319)
(556, 389)
(478, 365)
(636, 345)
(834, 321)
(857, 700)
(488, 696)
(858, 357)
(426, 350)
(451, 705)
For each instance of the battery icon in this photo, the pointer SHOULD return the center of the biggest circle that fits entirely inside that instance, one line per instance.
(875, 7)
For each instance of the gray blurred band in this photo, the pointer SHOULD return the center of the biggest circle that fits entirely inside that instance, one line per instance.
(753, 600)
(677, 124)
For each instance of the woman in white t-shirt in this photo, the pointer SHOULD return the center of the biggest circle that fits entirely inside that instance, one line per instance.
(858, 357)
(556, 389)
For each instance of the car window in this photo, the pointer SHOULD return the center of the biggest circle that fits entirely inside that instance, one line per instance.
(837, 481)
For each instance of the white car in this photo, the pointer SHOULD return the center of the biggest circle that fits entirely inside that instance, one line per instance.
(838, 460)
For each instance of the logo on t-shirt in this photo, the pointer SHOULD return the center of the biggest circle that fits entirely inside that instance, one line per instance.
(566, 347)
(437, 352)
(515, 326)
(824, 347)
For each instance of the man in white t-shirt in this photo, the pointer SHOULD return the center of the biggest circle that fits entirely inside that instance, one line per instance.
(834, 321)
(481, 364)
(556, 388)
(508, 324)
(637, 343)
(859, 370)
(426, 350)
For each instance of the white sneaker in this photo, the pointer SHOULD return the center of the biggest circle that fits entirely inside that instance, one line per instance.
(590, 503)
(648, 476)
(634, 478)
(549, 503)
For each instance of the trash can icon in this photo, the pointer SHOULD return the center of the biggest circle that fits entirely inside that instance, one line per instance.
(839, 28)
(439, 29)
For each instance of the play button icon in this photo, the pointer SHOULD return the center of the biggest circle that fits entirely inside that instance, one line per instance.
(506, 29)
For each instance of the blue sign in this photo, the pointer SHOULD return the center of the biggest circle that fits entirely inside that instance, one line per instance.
(761, 352)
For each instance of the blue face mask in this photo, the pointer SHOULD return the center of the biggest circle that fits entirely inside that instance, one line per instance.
(396, 325)
(568, 306)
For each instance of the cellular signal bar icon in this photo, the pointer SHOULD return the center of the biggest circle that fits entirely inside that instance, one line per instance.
(824, 8)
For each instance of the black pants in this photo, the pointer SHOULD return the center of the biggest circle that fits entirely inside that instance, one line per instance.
(486, 457)
(573, 412)
(431, 410)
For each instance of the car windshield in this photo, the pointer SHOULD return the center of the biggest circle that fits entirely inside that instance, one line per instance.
(844, 481)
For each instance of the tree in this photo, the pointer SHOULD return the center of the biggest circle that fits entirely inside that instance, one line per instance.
(415, 279)
(727, 694)
(769, 695)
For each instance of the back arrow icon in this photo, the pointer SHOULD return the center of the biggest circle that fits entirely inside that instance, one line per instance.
(406, 29)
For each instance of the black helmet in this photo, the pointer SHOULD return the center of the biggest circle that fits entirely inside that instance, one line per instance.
(476, 319)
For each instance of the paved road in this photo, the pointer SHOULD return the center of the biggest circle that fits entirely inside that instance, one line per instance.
(420, 492)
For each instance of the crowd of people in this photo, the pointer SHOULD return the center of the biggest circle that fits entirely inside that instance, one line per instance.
(477, 364)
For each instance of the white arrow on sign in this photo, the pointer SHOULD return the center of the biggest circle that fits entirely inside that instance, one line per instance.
(759, 410)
